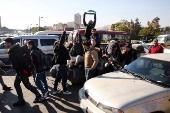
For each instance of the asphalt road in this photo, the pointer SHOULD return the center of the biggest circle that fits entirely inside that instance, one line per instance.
(53, 104)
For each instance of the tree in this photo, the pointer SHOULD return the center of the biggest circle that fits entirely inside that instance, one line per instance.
(120, 26)
(167, 29)
(137, 26)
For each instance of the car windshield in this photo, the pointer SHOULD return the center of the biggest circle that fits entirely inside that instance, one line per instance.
(160, 39)
(146, 46)
(153, 70)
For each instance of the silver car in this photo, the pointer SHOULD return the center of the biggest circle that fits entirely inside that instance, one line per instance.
(44, 42)
(141, 87)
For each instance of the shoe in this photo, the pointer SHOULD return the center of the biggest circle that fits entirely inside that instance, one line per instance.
(55, 92)
(67, 92)
(38, 99)
(6, 88)
(19, 103)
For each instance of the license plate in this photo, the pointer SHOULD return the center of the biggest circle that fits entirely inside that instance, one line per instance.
(83, 107)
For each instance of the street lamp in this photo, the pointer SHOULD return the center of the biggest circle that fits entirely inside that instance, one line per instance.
(30, 29)
(39, 21)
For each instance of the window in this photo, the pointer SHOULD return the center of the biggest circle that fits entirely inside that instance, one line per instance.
(35, 41)
(47, 42)
(106, 37)
(2, 45)
(16, 40)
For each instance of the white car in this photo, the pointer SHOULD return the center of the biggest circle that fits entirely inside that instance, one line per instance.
(143, 86)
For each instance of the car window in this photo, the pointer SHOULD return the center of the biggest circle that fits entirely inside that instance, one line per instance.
(47, 42)
(35, 41)
(2, 45)
(16, 41)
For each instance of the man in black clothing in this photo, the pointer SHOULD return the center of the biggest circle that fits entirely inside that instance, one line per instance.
(25, 49)
(89, 26)
(15, 55)
(96, 36)
(129, 54)
(60, 58)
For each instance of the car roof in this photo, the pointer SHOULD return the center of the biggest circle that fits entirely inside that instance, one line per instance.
(37, 36)
(159, 56)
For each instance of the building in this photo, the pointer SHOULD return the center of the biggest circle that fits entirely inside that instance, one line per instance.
(77, 20)
(59, 26)
(70, 24)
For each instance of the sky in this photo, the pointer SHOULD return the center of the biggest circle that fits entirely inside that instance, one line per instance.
(20, 14)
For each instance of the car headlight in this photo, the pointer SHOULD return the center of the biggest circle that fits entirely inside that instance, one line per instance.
(108, 109)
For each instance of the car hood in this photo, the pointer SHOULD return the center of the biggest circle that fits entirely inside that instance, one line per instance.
(118, 89)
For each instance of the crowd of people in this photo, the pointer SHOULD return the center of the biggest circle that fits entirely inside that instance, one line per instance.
(87, 52)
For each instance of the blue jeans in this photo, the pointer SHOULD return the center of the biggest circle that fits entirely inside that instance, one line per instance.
(61, 74)
(39, 79)
(89, 73)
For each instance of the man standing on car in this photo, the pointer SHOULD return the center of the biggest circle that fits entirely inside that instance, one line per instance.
(156, 48)
(15, 55)
(91, 60)
(89, 26)
(60, 58)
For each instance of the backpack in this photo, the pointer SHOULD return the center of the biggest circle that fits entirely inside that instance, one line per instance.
(28, 68)
(101, 62)
(46, 61)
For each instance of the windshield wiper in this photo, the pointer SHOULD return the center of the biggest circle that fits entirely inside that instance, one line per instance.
(135, 75)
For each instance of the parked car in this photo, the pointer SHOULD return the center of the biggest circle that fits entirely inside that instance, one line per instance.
(44, 42)
(143, 42)
(143, 86)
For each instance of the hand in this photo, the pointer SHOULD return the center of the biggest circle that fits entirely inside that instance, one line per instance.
(123, 52)
(84, 12)
(94, 12)
(91, 68)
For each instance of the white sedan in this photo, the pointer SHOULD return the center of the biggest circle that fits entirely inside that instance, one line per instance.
(141, 87)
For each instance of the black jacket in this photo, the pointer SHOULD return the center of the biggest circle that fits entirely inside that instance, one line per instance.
(97, 38)
(36, 57)
(130, 56)
(89, 26)
(15, 56)
(117, 55)
(61, 54)
(77, 48)
(25, 50)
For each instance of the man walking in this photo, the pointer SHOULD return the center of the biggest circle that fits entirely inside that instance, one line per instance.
(60, 58)
(2, 72)
(40, 76)
(15, 55)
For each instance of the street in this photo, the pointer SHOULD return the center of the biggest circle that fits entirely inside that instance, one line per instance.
(53, 104)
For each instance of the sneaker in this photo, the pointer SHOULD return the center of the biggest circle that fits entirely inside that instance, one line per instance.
(19, 103)
(67, 92)
(38, 99)
(55, 92)
(6, 88)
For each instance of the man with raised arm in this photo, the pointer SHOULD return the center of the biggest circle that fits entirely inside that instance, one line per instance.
(89, 26)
